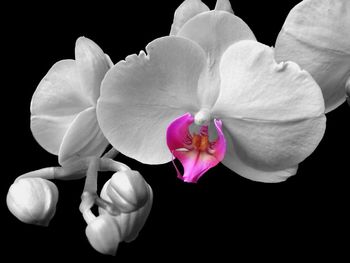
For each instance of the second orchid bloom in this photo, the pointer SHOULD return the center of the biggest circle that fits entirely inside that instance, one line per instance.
(63, 107)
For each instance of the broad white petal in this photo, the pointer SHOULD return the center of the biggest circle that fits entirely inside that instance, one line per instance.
(142, 95)
(316, 35)
(254, 86)
(55, 103)
(234, 159)
(264, 150)
(214, 31)
(83, 138)
(274, 112)
(92, 65)
(187, 10)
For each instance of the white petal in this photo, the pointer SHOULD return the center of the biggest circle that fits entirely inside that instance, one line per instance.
(316, 35)
(92, 65)
(142, 95)
(223, 5)
(55, 103)
(233, 160)
(109, 61)
(49, 130)
(274, 112)
(268, 148)
(83, 138)
(214, 31)
(254, 86)
(187, 10)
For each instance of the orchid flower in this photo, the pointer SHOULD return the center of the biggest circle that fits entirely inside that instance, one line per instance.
(316, 35)
(63, 107)
(211, 93)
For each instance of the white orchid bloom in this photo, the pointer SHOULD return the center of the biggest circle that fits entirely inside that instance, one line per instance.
(316, 35)
(209, 94)
(63, 107)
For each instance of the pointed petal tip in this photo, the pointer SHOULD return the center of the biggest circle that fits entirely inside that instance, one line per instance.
(84, 44)
(223, 5)
(84, 40)
(187, 10)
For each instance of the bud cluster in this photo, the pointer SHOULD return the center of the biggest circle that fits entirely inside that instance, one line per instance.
(132, 197)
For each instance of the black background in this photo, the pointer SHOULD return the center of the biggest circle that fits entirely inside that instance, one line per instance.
(224, 215)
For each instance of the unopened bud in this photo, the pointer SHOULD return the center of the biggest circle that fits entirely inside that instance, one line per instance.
(103, 234)
(33, 200)
(130, 224)
(128, 190)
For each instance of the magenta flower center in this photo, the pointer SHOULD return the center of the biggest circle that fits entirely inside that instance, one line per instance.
(196, 152)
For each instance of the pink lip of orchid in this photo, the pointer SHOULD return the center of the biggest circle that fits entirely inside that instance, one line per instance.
(269, 116)
(196, 153)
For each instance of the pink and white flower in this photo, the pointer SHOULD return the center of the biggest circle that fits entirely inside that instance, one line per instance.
(211, 93)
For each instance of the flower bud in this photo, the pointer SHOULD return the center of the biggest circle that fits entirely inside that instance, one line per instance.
(130, 224)
(33, 200)
(103, 234)
(128, 190)
(137, 220)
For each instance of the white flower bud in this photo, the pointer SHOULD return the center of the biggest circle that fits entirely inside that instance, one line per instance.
(103, 234)
(33, 200)
(130, 224)
(137, 220)
(128, 190)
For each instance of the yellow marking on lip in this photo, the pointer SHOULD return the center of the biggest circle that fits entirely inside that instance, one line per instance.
(200, 142)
